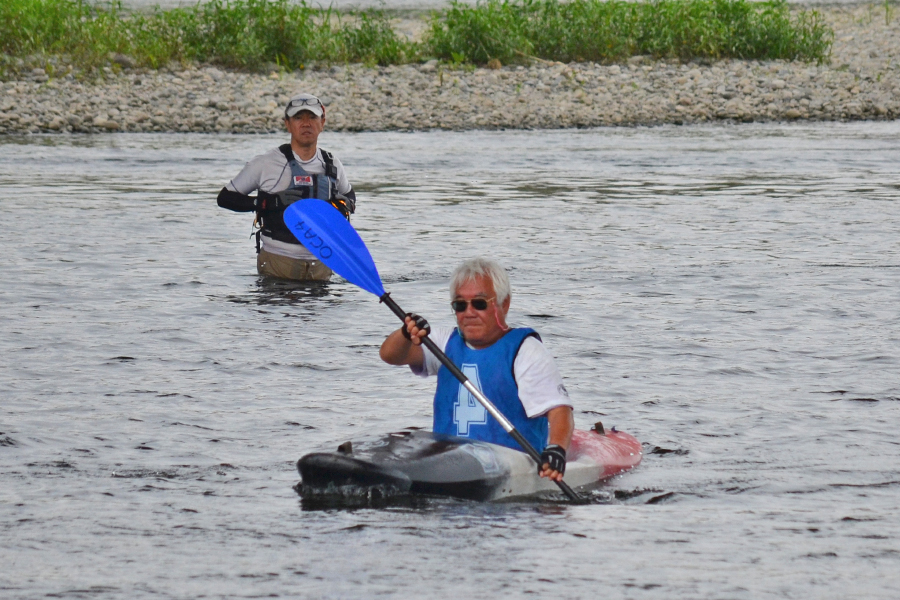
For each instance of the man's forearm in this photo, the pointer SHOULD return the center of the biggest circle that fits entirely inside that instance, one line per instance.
(562, 424)
(397, 350)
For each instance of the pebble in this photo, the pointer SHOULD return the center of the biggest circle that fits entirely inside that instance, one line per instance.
(861, 81)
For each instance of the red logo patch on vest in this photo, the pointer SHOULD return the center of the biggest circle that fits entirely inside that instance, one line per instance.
(303, 180)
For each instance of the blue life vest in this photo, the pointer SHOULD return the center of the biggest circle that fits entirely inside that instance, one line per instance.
(457, 412)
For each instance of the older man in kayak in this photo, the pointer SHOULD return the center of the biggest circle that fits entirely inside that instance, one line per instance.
(509, 365)
(282, 176)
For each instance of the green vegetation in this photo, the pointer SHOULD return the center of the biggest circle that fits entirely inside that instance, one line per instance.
(252, 34)
(246, 34)
(612, 30)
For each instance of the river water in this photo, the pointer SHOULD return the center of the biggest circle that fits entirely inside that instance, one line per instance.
(728, 294)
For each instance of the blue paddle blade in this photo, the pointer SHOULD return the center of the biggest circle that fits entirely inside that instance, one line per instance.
(329, 236)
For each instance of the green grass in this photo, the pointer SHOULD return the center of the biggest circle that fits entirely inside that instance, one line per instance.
(613, 30)
(244, 34)
(253, 34)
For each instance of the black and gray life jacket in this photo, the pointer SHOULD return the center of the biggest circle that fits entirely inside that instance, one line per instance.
(323, 187)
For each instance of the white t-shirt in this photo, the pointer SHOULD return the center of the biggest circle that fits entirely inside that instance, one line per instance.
(540, 384)
(270, 173)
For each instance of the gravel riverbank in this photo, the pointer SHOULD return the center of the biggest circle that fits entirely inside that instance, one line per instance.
(862, 81)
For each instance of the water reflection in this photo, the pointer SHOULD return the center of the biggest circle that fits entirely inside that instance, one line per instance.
(371, 500)
(282, 292)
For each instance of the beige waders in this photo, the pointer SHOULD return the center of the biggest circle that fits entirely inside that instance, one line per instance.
(282, 267)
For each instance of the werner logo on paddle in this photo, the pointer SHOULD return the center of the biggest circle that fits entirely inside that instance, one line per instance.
(304, 180)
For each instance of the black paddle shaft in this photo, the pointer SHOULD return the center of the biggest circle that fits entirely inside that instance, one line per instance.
(529, 449)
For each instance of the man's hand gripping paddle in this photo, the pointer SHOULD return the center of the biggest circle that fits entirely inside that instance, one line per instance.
(331, 238)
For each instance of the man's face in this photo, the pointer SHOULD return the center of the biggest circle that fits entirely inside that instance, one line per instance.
(305, 127)
(481, 328)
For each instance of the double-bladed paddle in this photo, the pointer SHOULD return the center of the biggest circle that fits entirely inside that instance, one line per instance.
(330, 237)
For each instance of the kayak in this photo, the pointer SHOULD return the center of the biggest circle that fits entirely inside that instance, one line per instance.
(424, 463)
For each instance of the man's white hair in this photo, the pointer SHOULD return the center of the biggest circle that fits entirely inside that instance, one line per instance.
(483, 267)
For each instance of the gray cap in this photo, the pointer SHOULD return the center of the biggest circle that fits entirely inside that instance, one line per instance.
(304, 102)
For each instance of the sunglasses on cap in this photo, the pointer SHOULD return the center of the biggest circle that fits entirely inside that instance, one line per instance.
(477, 303)
(305, 102)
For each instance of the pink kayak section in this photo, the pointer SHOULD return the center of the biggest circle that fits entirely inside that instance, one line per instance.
(615, 450)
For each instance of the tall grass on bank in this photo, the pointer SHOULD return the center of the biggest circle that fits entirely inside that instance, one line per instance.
(611, 30)
(244, 34)
(250, 34)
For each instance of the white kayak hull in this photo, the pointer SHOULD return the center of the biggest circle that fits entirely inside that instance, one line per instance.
(417, 462)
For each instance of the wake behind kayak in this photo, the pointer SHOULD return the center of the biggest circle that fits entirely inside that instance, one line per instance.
(412, 462)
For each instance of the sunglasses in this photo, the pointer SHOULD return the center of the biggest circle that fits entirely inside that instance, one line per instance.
(477, 303)
(305, 102)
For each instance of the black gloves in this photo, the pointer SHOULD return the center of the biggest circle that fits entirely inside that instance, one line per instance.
(349, 200)
(341, 204)
(555, 456)
(419, 322)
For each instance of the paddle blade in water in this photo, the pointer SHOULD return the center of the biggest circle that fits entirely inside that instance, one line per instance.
(329, 236)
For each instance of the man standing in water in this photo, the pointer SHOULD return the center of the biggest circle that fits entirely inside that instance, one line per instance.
(509, 365)
(282, 176)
